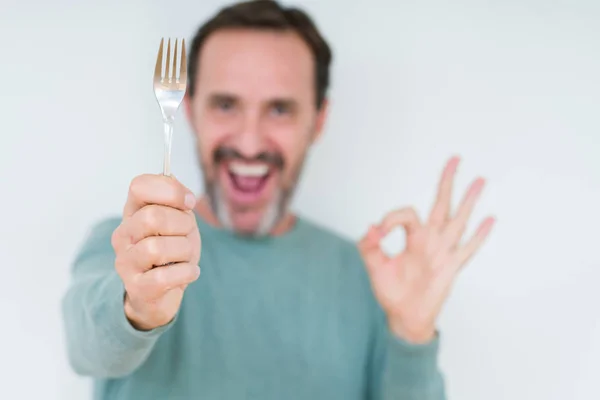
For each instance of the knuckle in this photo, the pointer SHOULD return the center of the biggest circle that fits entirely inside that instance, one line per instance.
(115, 238)
(151, 248)
(170, 188)
(161, 276)
(140, 185)
(120, 265)
(151, 218)
(136, 185)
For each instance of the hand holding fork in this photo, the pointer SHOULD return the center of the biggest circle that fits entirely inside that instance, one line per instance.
(157, 244)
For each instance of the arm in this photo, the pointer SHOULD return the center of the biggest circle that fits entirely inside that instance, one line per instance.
(412, 286)
(100, 340)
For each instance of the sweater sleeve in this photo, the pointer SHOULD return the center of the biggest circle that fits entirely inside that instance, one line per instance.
(100, 341)
(404, 371)
(397, 369)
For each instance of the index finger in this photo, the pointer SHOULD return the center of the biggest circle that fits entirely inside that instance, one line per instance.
(404, 217)
(157, 189)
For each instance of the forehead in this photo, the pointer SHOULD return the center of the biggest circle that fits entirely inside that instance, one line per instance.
(256, 63)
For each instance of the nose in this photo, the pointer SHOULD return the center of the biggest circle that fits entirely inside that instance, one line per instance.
(249, 140)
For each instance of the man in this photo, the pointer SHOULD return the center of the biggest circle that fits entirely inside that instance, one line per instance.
(284, 309)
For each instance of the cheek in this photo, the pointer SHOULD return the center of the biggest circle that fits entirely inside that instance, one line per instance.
(293, 148)
(205, 146)
(208, 136)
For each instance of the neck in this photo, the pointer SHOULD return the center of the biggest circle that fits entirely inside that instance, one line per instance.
(205, 212)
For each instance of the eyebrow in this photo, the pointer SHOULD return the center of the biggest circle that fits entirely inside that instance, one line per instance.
(222, 96)
(218, 97)
(286, 101)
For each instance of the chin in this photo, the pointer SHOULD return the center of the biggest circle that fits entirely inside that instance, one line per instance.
(253, 221)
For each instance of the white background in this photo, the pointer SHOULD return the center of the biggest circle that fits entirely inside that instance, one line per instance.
(511, 86)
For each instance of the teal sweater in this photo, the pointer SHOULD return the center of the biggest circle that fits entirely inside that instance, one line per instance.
(289, 317)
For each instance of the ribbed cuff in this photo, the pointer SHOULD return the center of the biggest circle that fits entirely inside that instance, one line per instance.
(411, 365)
(118, 326)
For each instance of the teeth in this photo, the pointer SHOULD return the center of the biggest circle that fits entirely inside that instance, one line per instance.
(249, 170)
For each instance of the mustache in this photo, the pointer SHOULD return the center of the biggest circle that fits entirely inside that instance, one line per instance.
(223, 153)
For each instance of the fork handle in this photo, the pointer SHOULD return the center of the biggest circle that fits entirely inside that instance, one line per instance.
(168, 139)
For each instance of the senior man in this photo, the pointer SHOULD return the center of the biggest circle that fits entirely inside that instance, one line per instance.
(284, 308)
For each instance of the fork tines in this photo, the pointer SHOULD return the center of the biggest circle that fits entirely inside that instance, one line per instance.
(172, 71)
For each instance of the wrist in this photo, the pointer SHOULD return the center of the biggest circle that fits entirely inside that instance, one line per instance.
(134, 317)
(413, 335)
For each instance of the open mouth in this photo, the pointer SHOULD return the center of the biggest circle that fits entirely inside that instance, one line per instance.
(248, 178)
(248, 181)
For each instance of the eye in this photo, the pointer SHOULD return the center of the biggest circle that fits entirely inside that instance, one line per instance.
(281, 109)
(224, 104)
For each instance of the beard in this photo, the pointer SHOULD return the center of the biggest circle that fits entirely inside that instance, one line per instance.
(277, 206)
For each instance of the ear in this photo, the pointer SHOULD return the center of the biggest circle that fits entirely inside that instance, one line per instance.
(321, 119)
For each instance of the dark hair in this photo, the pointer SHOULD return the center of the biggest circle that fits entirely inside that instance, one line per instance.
(269, 15)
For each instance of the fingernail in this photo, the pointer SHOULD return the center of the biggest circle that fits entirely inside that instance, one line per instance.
(190, 200)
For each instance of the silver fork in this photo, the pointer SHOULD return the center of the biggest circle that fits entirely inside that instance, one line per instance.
(169, 89)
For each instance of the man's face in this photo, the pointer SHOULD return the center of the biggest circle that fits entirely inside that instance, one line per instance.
(255, 116)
